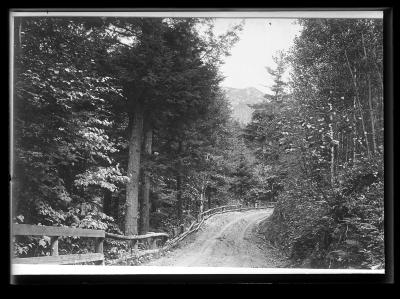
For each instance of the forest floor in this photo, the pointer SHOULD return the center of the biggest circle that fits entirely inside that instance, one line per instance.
(226, 240)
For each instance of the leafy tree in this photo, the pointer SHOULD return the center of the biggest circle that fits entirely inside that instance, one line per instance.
(91, 95)
(336, 85)
(61, 119)
(63, 155)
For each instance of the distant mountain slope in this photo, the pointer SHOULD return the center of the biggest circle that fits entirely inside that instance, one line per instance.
(240, 98)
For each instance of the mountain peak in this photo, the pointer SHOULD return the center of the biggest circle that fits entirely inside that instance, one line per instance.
(240, 99)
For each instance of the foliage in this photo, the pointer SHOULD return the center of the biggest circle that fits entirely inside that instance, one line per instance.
(78, 82)
(331, 212)
(61, 119)
(315, 145)
(345, 231)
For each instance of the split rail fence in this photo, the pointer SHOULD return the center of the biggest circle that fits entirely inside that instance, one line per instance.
(153, 240)
(195, 225)
(55, 232)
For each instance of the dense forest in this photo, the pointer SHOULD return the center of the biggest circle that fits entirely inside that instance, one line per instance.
(121, 124)
(323, 144)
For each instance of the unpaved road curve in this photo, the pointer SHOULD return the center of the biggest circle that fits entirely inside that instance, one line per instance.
(225, 240)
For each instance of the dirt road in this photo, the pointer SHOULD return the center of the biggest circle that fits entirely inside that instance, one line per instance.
(225, 240)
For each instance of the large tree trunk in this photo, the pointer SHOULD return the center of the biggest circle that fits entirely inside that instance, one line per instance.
(132, 187)
(107, 202)
(115, 210)
(145, 204)
(153, 203)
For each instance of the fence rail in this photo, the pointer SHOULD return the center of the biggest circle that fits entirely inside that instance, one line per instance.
(150, 238)
(41, 230)
(230, 208)
(195, 225)
(55, 232)
(98, 256)
(218, 209)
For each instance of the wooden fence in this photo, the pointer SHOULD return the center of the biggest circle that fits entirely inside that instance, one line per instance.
(195, 225)
(153, 240)
(54, 232)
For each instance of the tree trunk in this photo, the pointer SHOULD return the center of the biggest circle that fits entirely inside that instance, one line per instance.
(202, 200)
(116, 209)
(354, 131)
(209, 199)
(132, 187)
(347, 149)
(179, 203)
(153, 203)
(342, 151)
(145, 204)
(107, 202)
(375, 59)
(338, 153)
(364, 128)
(359, 103)
(371, 113)
(17, 35)
(332, 150)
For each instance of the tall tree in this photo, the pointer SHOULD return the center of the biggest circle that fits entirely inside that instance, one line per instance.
(268, 132)
(61, 118)
(167, 73)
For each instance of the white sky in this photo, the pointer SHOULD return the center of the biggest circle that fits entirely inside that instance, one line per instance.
(259, 41)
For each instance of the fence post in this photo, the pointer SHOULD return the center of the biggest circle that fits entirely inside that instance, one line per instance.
(99, 248)
(154, 243)
(54, 246)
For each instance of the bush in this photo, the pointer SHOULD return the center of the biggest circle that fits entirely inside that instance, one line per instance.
(342, 229)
